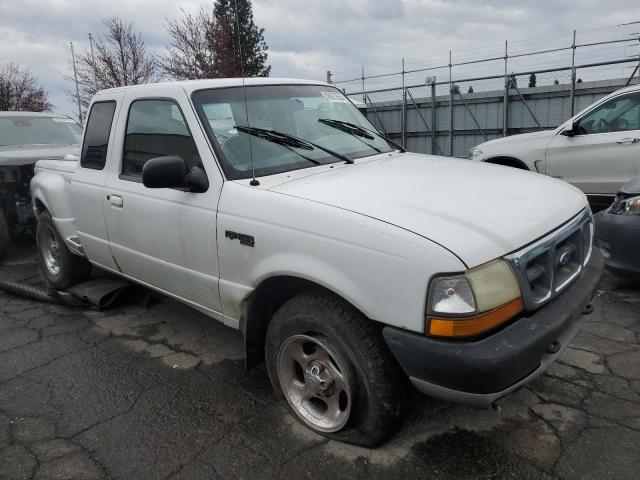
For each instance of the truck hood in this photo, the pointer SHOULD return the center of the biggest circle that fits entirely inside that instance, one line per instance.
(477, 211)
(12, 155)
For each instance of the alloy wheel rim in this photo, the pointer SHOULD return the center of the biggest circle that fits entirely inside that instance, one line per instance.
(50, 249)
(314, 383)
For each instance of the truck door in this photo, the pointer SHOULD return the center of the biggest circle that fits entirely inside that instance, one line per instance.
(165, 238)
(85, 189)
(605, 153)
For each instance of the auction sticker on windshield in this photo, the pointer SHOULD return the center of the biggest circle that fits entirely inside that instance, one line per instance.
(334, 97)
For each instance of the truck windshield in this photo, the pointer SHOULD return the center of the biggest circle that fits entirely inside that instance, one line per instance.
(297, 110)
(25, 130)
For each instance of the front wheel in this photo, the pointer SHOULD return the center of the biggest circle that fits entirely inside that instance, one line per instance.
(60, 267)
(334, 370)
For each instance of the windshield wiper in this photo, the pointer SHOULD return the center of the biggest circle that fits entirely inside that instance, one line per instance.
(353, 128)
(347, 127)
(289, 140)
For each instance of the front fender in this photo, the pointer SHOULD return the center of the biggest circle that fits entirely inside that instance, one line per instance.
(382, 270)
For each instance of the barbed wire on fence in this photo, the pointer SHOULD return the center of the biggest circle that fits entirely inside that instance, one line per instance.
(447, 113)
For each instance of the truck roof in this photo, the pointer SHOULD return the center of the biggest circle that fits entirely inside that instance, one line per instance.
(18, 113)
(192, 85)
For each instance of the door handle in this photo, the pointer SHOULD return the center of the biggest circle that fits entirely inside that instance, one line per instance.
(628, 141)
(115, 200)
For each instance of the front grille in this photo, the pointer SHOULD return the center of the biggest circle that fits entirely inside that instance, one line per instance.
(549, 265)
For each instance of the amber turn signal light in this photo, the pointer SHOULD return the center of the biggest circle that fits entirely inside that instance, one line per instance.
(470, 326)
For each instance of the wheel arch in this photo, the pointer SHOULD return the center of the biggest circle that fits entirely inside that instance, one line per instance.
(259, 307)
(39, 206)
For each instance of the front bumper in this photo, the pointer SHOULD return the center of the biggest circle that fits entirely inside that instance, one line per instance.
(479, 372)
(618, 236)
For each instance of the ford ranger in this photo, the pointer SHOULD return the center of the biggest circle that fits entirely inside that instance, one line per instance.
(349, 264)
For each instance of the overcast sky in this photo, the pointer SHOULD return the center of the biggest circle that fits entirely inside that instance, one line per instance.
(308, 37)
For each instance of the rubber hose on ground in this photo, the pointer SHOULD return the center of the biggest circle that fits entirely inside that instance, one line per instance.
(27, 291)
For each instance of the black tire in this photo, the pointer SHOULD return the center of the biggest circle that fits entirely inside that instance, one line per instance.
(378, 384)
(5, 236)
(73, 269)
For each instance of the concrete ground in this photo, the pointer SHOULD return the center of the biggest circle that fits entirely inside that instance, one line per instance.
(160, 392)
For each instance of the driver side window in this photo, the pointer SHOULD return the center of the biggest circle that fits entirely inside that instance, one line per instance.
(619, 114)
(156, 128)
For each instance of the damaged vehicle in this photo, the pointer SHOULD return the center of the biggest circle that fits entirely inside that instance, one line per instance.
(351, 266)
(618, 231)
(26, 137)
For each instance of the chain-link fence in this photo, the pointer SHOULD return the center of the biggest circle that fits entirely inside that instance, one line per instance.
(450, 117)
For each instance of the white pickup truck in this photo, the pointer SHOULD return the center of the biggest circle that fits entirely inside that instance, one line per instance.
(348, 264)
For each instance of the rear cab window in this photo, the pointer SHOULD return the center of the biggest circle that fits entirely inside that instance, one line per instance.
(96, 137)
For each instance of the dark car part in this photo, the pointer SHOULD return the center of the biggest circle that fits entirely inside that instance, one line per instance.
(5, 239)
(15, 202)
(618, 231)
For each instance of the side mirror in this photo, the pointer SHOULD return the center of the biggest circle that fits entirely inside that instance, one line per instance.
(173, 172)
(197, 180)
(571, 130)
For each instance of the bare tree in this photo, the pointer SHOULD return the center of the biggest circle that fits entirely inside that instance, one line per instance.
(19, 90)
(191, 53)
(120, 59)
(205, 44)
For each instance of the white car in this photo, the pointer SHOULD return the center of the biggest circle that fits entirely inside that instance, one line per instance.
(349, 264)
(598, 150)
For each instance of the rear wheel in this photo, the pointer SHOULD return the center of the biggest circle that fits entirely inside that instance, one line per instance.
(5, 238)
(334, 370)
(60, 267)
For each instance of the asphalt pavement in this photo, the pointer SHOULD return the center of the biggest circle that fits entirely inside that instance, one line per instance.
(160, 392)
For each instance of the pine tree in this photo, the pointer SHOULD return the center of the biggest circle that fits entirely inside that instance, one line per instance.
(532, 80)
(470, 89)
(254, 47)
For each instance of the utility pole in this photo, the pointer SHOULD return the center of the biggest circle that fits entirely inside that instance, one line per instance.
(364, 97)
(93, 63)
(450, 106)
(404, 108)
(505, 113)
(75, 76)
(573, 75)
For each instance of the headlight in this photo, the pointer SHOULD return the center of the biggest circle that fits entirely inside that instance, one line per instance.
(452, 296)
(474, 153)
(630, 206)
(469, 304)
